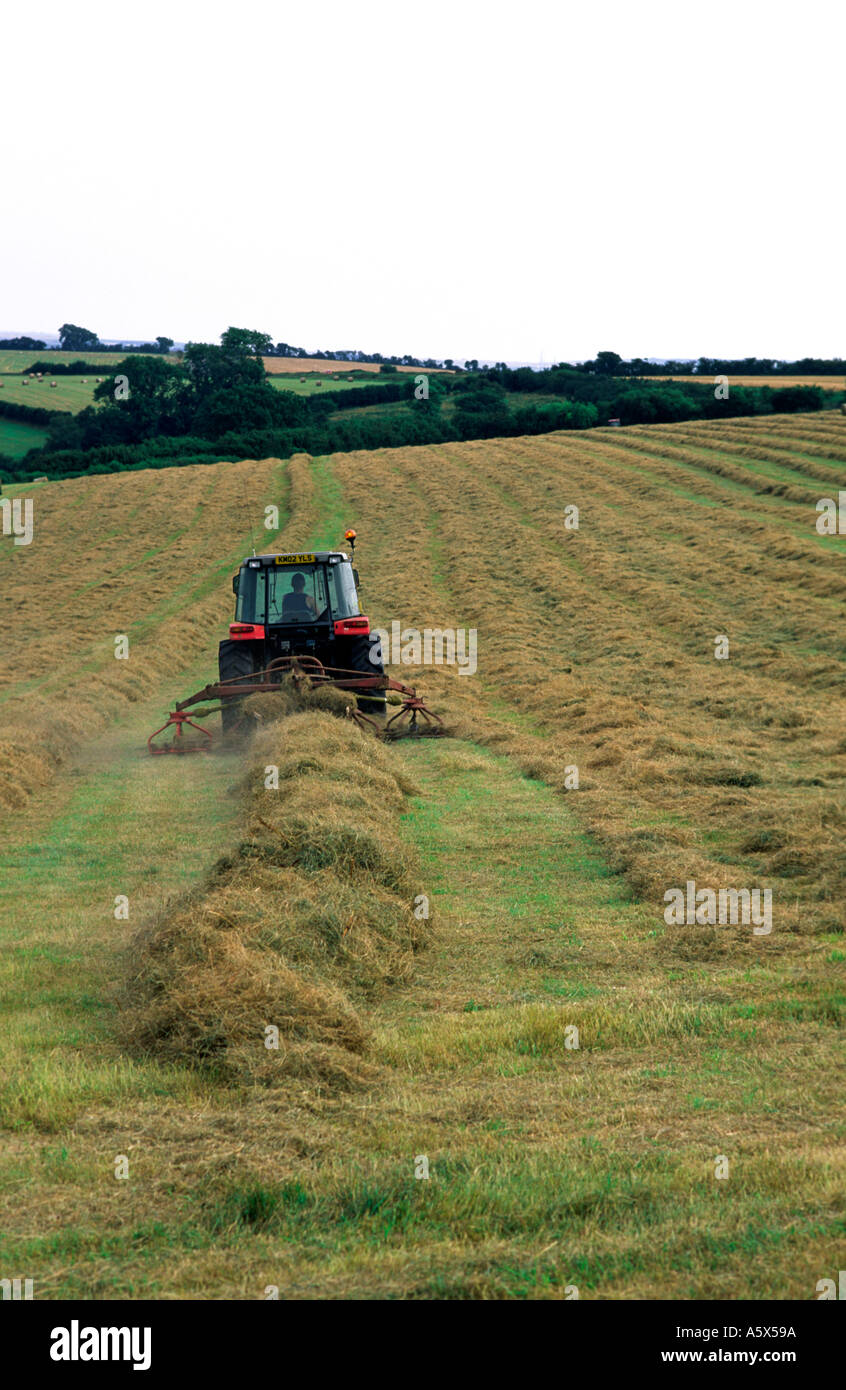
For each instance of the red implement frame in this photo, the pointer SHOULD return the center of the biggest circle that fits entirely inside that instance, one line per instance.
(403, 724)
(179, 718)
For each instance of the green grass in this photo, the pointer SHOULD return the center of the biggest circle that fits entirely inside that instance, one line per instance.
(17, 437)
(383, 410)
(550, 1167)
(517, 399)
(57, 900)
(71, 393)
(13, 361)
(316, 382)
(330, 507)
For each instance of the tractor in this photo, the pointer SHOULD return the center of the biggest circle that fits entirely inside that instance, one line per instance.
(299, 606)
(297, 616)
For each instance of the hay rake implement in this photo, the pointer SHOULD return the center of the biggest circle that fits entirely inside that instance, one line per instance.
(412, 720)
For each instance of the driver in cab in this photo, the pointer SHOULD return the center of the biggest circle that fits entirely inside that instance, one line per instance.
(298, 604)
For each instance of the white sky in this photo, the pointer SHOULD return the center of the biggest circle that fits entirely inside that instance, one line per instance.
(458, 179)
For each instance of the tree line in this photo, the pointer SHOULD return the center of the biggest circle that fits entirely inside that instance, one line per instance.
(73, 338)
(356, 355)
(612, 364)
(218, 402)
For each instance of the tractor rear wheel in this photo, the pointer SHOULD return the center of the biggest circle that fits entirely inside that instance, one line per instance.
(359, 659)
(234, 659)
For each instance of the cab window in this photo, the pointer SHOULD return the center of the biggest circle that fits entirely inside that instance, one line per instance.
(342, 591)
(296, 594)
(252, 595)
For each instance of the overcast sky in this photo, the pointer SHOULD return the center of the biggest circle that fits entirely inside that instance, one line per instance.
(464, 179)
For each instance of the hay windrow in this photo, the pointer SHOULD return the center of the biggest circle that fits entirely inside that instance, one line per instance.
(143, 553)
(308, 918)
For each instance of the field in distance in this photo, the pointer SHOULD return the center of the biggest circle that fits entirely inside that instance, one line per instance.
(298, 365)
(17, 437)
(74, 393)
(71, 393)
(830, 383)
(307, 385)
(11, 360)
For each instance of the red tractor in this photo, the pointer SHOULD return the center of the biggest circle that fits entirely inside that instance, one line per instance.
(299, 606)
(297, 615)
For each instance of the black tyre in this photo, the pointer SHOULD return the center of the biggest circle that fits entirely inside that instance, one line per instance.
(359, 660)
(234, 659)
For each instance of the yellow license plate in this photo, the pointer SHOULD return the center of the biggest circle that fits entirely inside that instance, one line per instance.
(294, 560)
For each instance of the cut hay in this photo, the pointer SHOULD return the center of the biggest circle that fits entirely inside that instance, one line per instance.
(308, 918)
(292, 698)
(55, 700)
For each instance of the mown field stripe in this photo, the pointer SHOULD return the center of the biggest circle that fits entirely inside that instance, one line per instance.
(123, 823)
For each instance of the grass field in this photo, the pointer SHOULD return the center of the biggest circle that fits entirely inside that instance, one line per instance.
(73, 393)
(13, 361)
(69, 393)
(381, 411)
(316, 381)
(17, 437)
(550, 1165)
(830, 383)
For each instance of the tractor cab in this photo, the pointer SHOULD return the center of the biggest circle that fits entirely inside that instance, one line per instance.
(299, 606)
(291, 591)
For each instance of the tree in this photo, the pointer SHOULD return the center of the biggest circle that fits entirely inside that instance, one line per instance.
(156, 401)
(482, 411)
(661, 403)
(436, 389)
(607, 363)
(247, 340)
(165, 344)
(76, 339)
(799, 398)
(212, 368)
(248, 407)
(22, 344)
